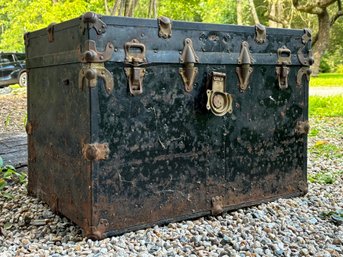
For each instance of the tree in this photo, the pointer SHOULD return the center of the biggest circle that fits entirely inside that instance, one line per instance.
(321, 40)
(239, 12)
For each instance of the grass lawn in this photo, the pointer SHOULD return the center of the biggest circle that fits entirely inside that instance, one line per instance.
(328, 106)
(327, 80)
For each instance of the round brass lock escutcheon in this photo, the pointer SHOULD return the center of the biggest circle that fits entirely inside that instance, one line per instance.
(219, 103)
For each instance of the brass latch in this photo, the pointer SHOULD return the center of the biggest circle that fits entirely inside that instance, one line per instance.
(164, 27)
(244, 70)
(135, 56)
(188, 58)
(282, 71)
(218, 101)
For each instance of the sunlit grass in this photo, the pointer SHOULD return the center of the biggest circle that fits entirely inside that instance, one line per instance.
(328, 106)
(327, 80)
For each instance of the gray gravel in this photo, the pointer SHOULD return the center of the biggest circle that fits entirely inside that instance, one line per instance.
(287, 227)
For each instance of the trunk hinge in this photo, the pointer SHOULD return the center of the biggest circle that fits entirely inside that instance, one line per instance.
(94, 67)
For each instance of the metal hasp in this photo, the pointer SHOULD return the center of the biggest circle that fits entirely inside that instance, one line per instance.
(164, 27)
(188, 58)
(218, 101)
(51, 29)
(135, 56)
(306, 39)
(92, 20)
(261, 34)
(244, 70)
(94, 66)
(282, 71)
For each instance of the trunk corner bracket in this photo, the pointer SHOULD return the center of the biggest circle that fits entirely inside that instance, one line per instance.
(244, 70)
(164, 27)
(97, 232)
(217, 205)
(92, 20)
(51, 30)
(188, 58)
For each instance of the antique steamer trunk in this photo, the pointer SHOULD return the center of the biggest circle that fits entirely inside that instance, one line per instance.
(136, 122)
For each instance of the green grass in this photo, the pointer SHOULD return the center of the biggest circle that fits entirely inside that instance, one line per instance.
(325, 149)
(327, 80)
(328, 106)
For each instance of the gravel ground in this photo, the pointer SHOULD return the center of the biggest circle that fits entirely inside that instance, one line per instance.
(287, 227)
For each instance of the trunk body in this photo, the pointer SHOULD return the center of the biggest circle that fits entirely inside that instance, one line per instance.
(168, 157)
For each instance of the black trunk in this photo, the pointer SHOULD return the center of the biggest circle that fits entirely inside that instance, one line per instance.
(134, 123)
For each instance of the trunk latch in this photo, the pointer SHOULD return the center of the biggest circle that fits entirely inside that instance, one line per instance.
(282, 71)
(218, 101)
(135, 56)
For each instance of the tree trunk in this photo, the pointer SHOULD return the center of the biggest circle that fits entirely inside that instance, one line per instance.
(115, 7)
(280, 14)
(132, 8)
(155, 9)
(323, 40)
(253, 11)
(272, 13)
(239, 12)
(106, 7)
(128, 4)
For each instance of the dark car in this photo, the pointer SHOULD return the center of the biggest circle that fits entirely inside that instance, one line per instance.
(12, 69)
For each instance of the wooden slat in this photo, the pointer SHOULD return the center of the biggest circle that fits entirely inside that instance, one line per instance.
(13, 149)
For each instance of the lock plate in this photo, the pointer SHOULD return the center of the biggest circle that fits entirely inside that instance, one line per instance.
(218, 101)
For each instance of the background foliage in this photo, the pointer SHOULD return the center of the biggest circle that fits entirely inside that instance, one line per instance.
(20, 16)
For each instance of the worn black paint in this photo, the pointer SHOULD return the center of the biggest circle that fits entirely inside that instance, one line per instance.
(169, 154)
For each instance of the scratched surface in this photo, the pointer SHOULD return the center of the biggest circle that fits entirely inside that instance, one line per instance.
(169, 156)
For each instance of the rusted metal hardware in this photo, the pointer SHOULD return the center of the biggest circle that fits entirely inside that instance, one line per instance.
(90, 73)
(218, 101)
(217, 205)
(135, 56)
(260, 34)
(92, 20)
(188, 58)
(305, 39)
(91, 54)
(244, 70)
(29, 128)
(307, 36)
(282, 71)
(302, 127)
(164, 27)
(96, 151)
(303, 71)
(99, 230)
(51, 30)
